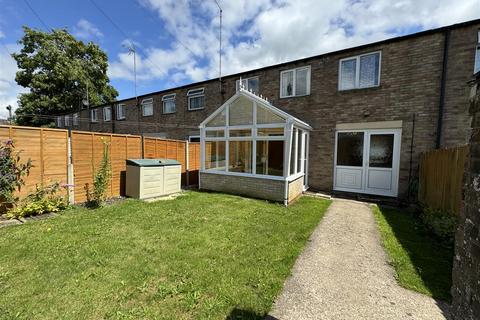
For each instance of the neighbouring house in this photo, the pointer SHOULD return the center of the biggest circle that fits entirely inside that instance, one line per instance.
(252, 148)
(373, 109)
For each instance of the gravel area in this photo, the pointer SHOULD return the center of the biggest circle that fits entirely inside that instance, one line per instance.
(343, 273)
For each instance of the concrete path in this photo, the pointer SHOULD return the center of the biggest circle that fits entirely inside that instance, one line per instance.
(343, 273)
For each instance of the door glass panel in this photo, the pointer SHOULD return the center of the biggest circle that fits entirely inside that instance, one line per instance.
(270, 158)
(350, 149)
(240, 156)
(381, 150)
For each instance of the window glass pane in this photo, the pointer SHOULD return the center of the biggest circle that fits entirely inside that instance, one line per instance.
(215, 155)
(241, 112)
(381, 150)
(196, 102)
(214, 133)
(265, 116)
(253, 85)
(477, 60)
(299, 151)
(347, 74)
(147, 110)
(287, 84)
(270, 132)
(270, 158)
(240, 156)
(350, 149)
(218, 120)
(369, 70)
(301, 77)
(292, 152)
(169, 106)
(240, 132)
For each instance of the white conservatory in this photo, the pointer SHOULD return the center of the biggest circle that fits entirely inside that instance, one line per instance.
(249, 147)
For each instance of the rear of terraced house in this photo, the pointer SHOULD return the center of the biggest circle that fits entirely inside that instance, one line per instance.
(372, 109)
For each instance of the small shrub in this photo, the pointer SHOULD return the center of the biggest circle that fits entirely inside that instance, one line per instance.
(43, 200)
(12, 173)
(101, 181)
(441, 223)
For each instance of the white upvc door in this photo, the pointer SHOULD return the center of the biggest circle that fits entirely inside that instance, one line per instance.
(367, 161)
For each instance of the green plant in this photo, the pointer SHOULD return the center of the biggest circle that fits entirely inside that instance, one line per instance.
(440, 223)
(12, 173)
(101, 181)
(43, 200)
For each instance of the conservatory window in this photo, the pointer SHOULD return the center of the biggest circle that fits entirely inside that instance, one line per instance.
(270, 158)
(240, 156)
(215, 155)
(241, 112)
(265, 116)
(240, 132)
(215, 133)
(270, 132)
(218, 120)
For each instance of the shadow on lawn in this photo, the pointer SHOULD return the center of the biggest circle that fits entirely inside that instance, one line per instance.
(238, 314)
(431, 258)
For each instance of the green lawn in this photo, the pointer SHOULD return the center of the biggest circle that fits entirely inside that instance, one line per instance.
(202, 255)
(421, 261)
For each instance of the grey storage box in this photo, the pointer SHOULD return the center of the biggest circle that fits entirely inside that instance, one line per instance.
(149, 178)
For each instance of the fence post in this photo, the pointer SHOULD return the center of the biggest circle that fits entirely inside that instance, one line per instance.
(187, 159)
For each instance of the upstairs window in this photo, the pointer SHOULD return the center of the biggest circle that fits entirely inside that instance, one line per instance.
(477, 55)
(196, 99)
(75, 119)
(169, 103)
(107, 114)
(121, 111)
(358, 72)
(59, 122)
(94, 115)
(147, 107)
(295, 82)
(249, 84)
(67, 121)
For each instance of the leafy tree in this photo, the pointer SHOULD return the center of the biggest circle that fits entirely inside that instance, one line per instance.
(57, 68)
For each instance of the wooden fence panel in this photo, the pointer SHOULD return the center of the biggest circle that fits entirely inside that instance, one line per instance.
(48, 150)
(193, 162)
(441, 178)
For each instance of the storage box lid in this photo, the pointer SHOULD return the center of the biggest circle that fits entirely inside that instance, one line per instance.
(152, 162)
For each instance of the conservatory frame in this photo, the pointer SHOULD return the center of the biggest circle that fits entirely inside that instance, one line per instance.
(293, 128)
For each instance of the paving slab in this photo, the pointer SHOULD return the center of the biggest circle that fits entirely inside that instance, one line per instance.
(343, 273)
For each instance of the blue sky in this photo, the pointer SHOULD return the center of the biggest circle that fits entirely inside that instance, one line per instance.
(177, 40)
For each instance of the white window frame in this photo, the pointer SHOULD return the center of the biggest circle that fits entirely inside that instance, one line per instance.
(105, 118)
(92, 117)
(75, 118)
(195, 93)
(121, 115)
(67, 121)
(309, 75)
(193, 136)
(476, 64)
(357, 70)
(59, 121)
(167, 98)
(147, 102)
(247, 87)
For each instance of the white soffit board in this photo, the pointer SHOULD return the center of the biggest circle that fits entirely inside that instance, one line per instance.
(370, 125)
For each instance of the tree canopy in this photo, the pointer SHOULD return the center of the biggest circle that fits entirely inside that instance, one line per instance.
(57, 68)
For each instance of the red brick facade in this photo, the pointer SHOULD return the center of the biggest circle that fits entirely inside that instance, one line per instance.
(410, 84)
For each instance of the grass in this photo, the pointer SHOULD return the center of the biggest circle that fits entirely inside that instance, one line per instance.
(201, 256)
(422, 263)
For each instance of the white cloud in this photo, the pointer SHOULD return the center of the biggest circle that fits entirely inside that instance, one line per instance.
(262, 32)
(9, 89)
(86, 30)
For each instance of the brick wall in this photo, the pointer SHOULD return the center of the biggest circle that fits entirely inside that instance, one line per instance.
(410, 77)
(247, 186)
(466, 269)
(295, 189)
